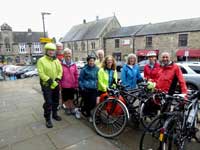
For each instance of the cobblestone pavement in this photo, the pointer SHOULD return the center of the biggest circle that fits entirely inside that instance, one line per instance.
(22, 126)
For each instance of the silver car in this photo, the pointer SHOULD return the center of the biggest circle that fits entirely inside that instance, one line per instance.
(191, 73)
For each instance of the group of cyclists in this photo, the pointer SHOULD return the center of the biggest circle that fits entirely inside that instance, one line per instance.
(58, 73)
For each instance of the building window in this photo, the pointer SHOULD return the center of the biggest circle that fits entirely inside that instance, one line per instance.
(117, 43)
(182, 40)
(93, 45)
(8, 49)
(22, 48)
(68, 45)
(125, 42)
(149, 41)
(75, 46)
(83, 46)
(37, 48)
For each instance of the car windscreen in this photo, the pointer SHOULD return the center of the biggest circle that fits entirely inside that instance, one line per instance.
(195, 68)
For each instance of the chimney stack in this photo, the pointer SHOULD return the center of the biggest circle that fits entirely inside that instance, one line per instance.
(97, 18)
(84, 21)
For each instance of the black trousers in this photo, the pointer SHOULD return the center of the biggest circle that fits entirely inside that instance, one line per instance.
(51, 101)
(89, 97)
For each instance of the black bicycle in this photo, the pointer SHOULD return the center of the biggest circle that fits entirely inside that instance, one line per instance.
(165, 130)
(179, 129)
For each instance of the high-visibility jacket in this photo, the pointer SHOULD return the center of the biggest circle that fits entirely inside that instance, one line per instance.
(49, 68)
(103, 79)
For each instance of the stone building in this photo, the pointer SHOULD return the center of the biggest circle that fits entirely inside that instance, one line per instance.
(181, 38)
(88, 37)
(19, 47)
(121, 42)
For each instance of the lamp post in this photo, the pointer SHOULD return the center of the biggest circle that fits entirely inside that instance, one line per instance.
(30, 44)
(44, 13)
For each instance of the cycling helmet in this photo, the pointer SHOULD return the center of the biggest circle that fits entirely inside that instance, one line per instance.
(151, 53)
(91, 57)
(50, 46)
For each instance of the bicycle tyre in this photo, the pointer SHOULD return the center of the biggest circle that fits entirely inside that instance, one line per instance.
(152, 133)
(173, 139)
(145, 119)
(108, 124)
(197, 128)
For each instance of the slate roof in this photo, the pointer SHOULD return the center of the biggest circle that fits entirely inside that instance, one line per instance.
(87, 31)
(24, 37)
(174, 26)
(124, 31)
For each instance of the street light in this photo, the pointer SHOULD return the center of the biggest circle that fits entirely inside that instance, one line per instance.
(30, 43)
(44, 13)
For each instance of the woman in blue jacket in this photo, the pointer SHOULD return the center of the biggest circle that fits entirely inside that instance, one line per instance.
(130, 74)
(88, 86)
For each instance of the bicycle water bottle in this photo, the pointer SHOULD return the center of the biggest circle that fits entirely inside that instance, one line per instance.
(191, 116)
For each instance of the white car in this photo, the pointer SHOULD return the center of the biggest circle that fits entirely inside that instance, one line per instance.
(80, 64)
(11, 69)
(30, 73)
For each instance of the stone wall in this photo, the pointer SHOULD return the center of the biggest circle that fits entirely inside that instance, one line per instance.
(124, 48)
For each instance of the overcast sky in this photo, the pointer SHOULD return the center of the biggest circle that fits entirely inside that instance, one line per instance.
(24, 14)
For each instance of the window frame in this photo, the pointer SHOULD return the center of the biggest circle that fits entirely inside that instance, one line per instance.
(93, 44)
(117, 43)
(149, 41)
(22, 48)
(183, 40)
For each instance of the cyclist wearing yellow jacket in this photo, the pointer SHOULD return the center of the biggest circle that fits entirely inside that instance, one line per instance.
(50, 73)
(107, 74)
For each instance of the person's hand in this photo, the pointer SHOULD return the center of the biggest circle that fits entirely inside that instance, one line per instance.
(49, 82)
(57, 80)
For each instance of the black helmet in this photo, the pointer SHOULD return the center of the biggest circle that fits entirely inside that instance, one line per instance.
(91, 57)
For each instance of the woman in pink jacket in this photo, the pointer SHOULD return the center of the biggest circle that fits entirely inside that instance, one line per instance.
(69, 82)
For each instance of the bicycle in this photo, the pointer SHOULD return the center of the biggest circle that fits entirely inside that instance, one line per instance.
(160, 129)
(116, 108)
(178, 130)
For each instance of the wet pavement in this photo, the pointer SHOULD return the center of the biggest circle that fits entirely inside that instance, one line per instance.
(22, 126)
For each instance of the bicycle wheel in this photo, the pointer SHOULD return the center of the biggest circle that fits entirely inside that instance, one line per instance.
(150, 137)
(174, 137)
(196, 129)
(146, 117)
(110, 118)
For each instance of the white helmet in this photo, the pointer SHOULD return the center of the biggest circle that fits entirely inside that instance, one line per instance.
(151, 53)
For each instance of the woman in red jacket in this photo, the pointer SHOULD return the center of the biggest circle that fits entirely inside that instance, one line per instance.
(151, 69)
(169, 75)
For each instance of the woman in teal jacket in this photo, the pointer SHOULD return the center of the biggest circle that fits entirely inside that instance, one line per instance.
(130, 74)
(88, 86)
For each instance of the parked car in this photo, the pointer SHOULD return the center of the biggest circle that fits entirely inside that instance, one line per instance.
(30, 73)
(191, 73)
(1, 74)
(11, 69)
(80, 64)
(119, 65)
(23, 70)
(142, 64)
